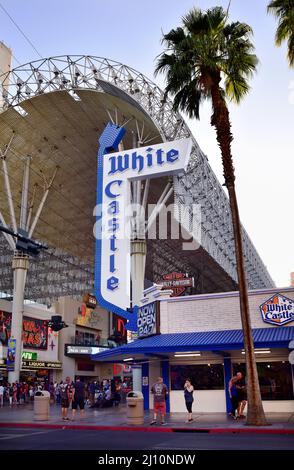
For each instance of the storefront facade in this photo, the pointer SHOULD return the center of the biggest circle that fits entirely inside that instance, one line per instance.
(40, 360)
(200, 337)
(87, 333)
(49, 356)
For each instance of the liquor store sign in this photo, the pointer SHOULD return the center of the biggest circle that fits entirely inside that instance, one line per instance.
(41, 365)
(113, 223)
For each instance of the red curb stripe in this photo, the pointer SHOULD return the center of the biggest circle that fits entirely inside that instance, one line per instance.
(150, 429)
(85, 427)
(251, 431)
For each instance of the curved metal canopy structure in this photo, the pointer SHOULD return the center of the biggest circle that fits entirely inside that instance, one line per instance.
(53, 111)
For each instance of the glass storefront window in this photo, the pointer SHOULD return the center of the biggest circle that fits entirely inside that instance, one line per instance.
(203, 376)
(275, 379)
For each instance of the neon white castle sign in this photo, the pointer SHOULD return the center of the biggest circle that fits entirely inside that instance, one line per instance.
(112, 228)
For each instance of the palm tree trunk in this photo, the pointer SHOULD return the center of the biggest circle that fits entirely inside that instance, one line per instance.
(221, 121)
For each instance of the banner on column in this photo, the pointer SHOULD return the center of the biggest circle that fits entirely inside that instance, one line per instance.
(11, 354)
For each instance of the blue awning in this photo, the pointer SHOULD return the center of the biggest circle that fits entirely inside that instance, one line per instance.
(278, 337)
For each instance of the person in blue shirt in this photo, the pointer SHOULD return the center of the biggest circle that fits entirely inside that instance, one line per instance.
(233, 396)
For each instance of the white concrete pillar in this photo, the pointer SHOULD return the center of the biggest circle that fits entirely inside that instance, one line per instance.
(20, 265)
(138, 262)
(137, 378)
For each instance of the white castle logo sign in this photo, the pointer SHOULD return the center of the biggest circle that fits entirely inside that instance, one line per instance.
(278, 310)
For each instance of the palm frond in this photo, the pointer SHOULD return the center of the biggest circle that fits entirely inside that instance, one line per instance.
(283, 10)
(202, 51)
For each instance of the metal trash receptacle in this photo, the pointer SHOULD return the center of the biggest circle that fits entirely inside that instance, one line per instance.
(135, 408)
(41, 406)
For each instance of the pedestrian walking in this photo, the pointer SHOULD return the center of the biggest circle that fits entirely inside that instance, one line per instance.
(66, 397)
(188, 394)
(78, 398)
(233, 396)
(1, 394)
(10, 393)
(160, 392)
(241, 394)
(31, 393)
(117, 394)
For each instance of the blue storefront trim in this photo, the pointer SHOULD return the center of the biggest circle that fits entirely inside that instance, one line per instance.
(145, 388)
(200, 341)
(166, 381)
(227, 377)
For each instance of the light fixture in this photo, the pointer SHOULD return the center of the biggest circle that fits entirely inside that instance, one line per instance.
(260, 351)
(74, 95)
(187, 354)
(128, 359)
(21, 111)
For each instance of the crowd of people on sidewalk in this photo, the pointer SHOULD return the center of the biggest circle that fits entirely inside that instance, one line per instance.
(76, 394)
(95, 394)
(17, 393)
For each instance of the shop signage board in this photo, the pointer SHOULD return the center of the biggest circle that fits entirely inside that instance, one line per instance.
(88, 317)
(277, 310)
(113, 223)
(145, 381)
(178, 282)
(90, 301)
(119, 329)
(29, 356)
(148, 320)
(41, 365)
(86, 350)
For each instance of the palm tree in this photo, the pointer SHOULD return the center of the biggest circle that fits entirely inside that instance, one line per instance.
(209, 58)
(284, 11)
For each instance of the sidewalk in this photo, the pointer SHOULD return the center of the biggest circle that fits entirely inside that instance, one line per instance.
(115, 418)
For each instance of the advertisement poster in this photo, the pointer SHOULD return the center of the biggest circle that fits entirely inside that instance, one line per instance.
(88, 317)
(5, 327)
(11, 354)
(34, 334)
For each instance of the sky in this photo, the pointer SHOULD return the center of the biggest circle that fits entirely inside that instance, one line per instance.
(262, 125)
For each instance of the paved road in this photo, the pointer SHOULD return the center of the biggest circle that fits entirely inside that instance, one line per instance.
(67, 439)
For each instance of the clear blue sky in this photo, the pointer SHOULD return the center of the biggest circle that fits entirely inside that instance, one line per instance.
(129, 31)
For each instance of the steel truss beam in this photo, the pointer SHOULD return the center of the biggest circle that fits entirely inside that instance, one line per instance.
(198, 186)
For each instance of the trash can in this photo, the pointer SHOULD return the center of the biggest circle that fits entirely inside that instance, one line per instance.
(41, 406)
(135, 408)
